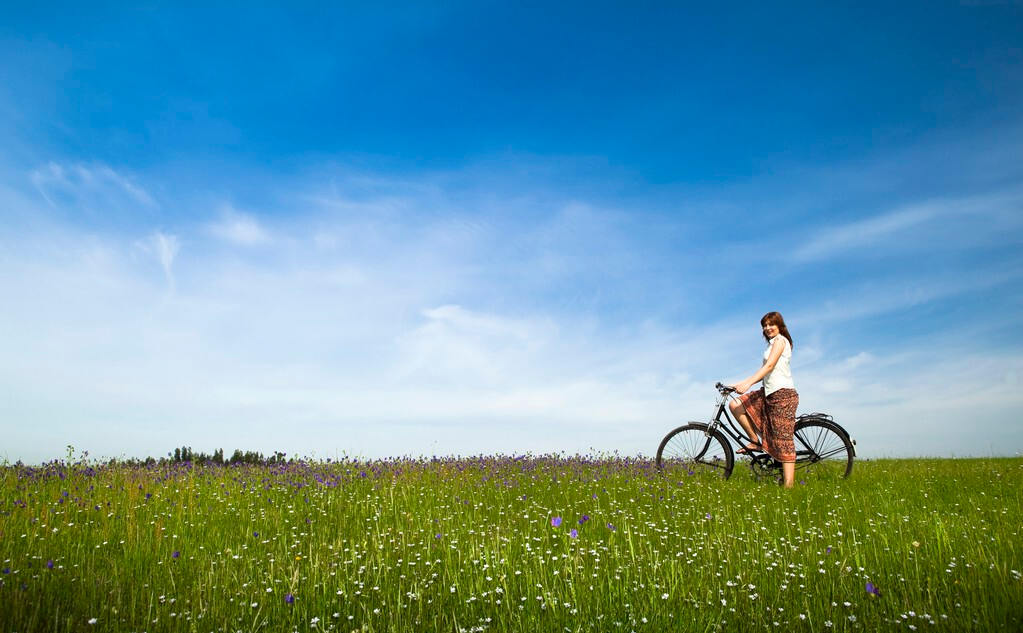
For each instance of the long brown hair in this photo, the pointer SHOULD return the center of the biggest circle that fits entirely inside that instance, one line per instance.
(774, 318)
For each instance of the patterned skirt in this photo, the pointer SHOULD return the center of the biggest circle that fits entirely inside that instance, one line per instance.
(774, 418)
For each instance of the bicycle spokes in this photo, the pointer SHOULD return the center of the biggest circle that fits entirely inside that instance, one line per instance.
(694, 450)
(822, 450)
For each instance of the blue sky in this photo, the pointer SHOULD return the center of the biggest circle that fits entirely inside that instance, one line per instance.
(459, 228)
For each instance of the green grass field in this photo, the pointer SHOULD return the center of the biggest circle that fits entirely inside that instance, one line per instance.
(535, 543)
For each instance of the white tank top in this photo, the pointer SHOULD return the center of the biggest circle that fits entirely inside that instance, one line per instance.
(781, 376)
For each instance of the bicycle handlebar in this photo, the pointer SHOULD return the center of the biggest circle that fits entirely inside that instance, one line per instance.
(724, 389)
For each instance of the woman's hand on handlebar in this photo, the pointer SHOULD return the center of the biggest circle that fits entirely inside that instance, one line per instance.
(742, 387)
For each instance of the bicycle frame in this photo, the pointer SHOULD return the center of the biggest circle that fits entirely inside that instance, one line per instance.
(732, 428)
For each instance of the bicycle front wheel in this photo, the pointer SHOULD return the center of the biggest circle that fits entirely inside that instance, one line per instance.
(695, 450)
(823, 451)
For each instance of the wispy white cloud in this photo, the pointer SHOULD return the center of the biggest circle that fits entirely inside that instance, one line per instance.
(913, 227)
(239, 228)
(56, 179)
(458, 345)
(164, 248)
(864, 233)
(864, 299)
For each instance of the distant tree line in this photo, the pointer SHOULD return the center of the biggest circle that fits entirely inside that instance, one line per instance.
(185, 454)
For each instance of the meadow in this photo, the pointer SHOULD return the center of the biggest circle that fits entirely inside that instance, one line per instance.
(508, 543)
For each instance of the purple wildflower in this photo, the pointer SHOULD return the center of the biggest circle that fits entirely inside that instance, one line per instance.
(872, 590)
(175, 554)
(49, 564)
(584, 519)
(574, 533)
(556, 521)
(611, 527)
(289, 599)
(828, 551)
(6, 570)
(255, 534)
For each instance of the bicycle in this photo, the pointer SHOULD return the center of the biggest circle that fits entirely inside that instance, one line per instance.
(824, 450)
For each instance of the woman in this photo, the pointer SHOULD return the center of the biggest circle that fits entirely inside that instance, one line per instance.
(768, 414)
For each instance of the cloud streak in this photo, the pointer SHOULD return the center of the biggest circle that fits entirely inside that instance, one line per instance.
(164, 248)
(912, 226)
(239, 228)
(76, 181)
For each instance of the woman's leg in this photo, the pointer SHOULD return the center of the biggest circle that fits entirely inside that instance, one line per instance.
(782, 405)
(739, 413)
(788, 473)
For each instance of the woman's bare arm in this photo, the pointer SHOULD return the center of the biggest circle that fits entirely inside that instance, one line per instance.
(777, 348)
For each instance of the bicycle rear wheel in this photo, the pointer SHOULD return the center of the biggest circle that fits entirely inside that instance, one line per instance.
(823, 451)
(697, 451)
